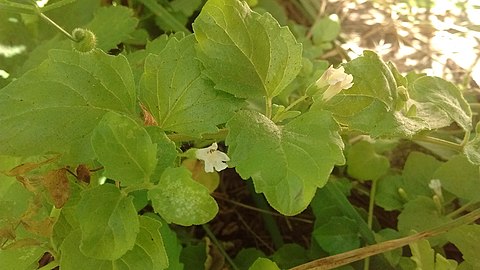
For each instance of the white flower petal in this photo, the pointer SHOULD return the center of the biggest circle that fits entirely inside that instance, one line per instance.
(213, 159)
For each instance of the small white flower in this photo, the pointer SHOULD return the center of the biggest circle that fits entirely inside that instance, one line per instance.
(336, 79)
(436, 186)
(212, 158)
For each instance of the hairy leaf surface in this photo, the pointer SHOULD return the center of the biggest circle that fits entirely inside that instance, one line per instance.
(179, 97)
(181, 200)
(246, 54)
(125, 149)
(57, 105)
(289, 162)
(112, 25)
(107, 208)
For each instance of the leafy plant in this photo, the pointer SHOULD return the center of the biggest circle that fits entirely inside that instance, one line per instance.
(97, 137)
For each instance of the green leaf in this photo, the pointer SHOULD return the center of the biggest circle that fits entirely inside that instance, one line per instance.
(460, 177)
(247, 256)
(178, 96)
(21, 258)
(423, 255)
(364, 163)
(166, 151)
(148, 252)
(125, 149)
(387, 195)
(445, 96)
(172, 245)
(166, 20)
(338, 235)
(112, 25)
(246, 54)
(289, 162)
(56, 106)
(420, 214)
(426, 259)
(148, 246)
(263, 264)
(418, 170)
(472, 148)
(290, 255)
(326, 29)
(466, 239)
(181, 200)
(108, 222)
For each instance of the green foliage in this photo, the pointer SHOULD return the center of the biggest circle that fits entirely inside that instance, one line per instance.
(99, 139)
(289, 162)
(125, 149)
(232, 38)
(181, 200)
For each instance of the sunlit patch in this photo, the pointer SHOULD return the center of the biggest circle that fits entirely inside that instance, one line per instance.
(9, 51)
(4, 74)
(41, 3)
(13, 20)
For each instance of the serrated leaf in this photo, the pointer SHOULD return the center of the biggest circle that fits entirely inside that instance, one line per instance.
(423, 255)
(112, 25)
(472, 148)
(108, 222)
(178, 96)
(181, 200)
(364, 163)
(287, 163)
(460, 177)
(56, 106)
(125, 149)
(246, 54)
(339, 234)
(466, 239)
(444, 96)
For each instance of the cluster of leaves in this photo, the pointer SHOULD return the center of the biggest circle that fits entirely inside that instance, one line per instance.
(120, 121)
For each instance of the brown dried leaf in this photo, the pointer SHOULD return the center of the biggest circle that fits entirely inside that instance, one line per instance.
(83, 173)
(24, 168)
(148, 119)
(40, 227)
(56, 183)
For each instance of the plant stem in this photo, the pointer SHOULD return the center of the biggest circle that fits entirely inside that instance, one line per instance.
(268, 107)
(219, 246)
(361, 253)
(43, 16)
(451, 145)
(371, 204)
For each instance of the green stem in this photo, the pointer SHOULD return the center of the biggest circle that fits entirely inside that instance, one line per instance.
(461, 209)
(451, 145)
(371, 205)
(289, 107)
(43, 16)
(268, 107)
(219, 246)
